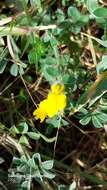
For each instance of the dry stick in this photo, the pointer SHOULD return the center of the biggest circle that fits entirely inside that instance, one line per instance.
(56, 137)
(11, 18)
(5, 21)
(3, 186)
(89, 36)
(27, 90)
(98, 165)
(104, 3)
(92, 49)
(37, 83)
(7, 139)
(4, 31)
(92, 186)
(10, 47)
(55, 142)
(8, 86)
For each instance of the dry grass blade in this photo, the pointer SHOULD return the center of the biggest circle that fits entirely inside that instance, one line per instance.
(92, 49)
(5, 21)
(5, 139)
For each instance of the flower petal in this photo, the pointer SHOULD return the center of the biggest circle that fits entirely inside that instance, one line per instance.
(57, 88)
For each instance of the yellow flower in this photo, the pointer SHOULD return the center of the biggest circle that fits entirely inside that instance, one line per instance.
(53, 104)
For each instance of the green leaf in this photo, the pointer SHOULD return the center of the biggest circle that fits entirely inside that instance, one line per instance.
(14, 130)
(65, 59)
(100, 12)
(3, 64)
(62, 187)
(32, 56)
(102, 117)
(23, 140)
(31, 164)
(73, 186)
(16, 161)
(46, 37)
(70, 81)
(26, 2)
(2, 127)
(96, 122)
(50, 73)
(39, 48)
(60, 15)
(92, 5)
(64, 122)
(74, 13)
(24, 65)
(85, 120)
(47, 165)
(55, 121)
(102, 66)
(21, 70)
(48, 174)
(76, 16)
(23, 128)
(50, 61)
(53, 42)
(1, 160)
(25, 185)
(36, 3)
(14, 69)
(53, 72)
(34, 135)
(83, 111)
(23, 159)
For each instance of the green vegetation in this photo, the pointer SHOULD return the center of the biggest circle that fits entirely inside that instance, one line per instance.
(45, 43)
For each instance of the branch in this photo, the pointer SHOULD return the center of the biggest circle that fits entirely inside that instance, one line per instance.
(5, 30)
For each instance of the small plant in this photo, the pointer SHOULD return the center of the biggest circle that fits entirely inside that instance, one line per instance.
(53, 94)
(25, 170)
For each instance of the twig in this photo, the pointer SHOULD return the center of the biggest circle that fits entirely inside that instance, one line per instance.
(8, 86)
(27, 90)
(7, 139)
(92, 49)
(5, 21)
(98, 165)
(56, 137)
(9, 45)
(3, 186)
(91, 187)
(4, 31)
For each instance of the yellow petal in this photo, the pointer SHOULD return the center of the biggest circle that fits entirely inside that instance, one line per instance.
(40, 112)
(55, 104)
(57, 88)
(51, 107)
(62, 102)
